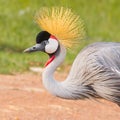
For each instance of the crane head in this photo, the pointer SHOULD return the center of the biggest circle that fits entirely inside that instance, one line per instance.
(45, 42)
(60, 26)
(57, 23)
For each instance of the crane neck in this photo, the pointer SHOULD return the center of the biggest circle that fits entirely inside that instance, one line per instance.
(59, 57)
(53, 86)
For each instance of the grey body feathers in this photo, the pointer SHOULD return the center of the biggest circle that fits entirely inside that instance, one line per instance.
(96, 70)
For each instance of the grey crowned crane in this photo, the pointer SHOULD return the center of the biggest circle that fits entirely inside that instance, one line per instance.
(95, 72)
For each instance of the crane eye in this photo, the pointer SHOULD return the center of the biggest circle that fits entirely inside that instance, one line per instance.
(34, 47)
(51, 46)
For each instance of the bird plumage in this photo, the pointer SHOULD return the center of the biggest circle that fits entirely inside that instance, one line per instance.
(94, 73)
(98, 67)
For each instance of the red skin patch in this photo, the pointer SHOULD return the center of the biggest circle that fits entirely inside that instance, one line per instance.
(53, 37)
(50, 60)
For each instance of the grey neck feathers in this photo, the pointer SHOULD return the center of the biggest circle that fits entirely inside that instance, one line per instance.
(53, 86)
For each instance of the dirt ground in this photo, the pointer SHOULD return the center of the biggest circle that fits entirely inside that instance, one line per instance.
(23, 97)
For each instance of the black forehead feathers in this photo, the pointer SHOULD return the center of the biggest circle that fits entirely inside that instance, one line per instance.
(41, 36)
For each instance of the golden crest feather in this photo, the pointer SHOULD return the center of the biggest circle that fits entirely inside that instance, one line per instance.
(61, 22)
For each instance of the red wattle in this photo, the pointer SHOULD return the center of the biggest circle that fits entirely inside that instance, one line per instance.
(50, 60)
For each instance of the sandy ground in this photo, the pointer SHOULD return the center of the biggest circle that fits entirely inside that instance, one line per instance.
(23, 97)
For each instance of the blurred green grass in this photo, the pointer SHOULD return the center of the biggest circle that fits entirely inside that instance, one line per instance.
(18, 29)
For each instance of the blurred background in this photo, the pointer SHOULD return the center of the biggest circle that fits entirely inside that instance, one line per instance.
(18, 29)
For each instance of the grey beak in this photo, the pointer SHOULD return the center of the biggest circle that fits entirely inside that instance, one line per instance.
(37, 47)
(27, 50)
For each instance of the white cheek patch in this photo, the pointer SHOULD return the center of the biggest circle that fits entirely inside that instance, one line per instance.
(52, 46)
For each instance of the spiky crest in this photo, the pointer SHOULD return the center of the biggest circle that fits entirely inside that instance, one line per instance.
(61, 22)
